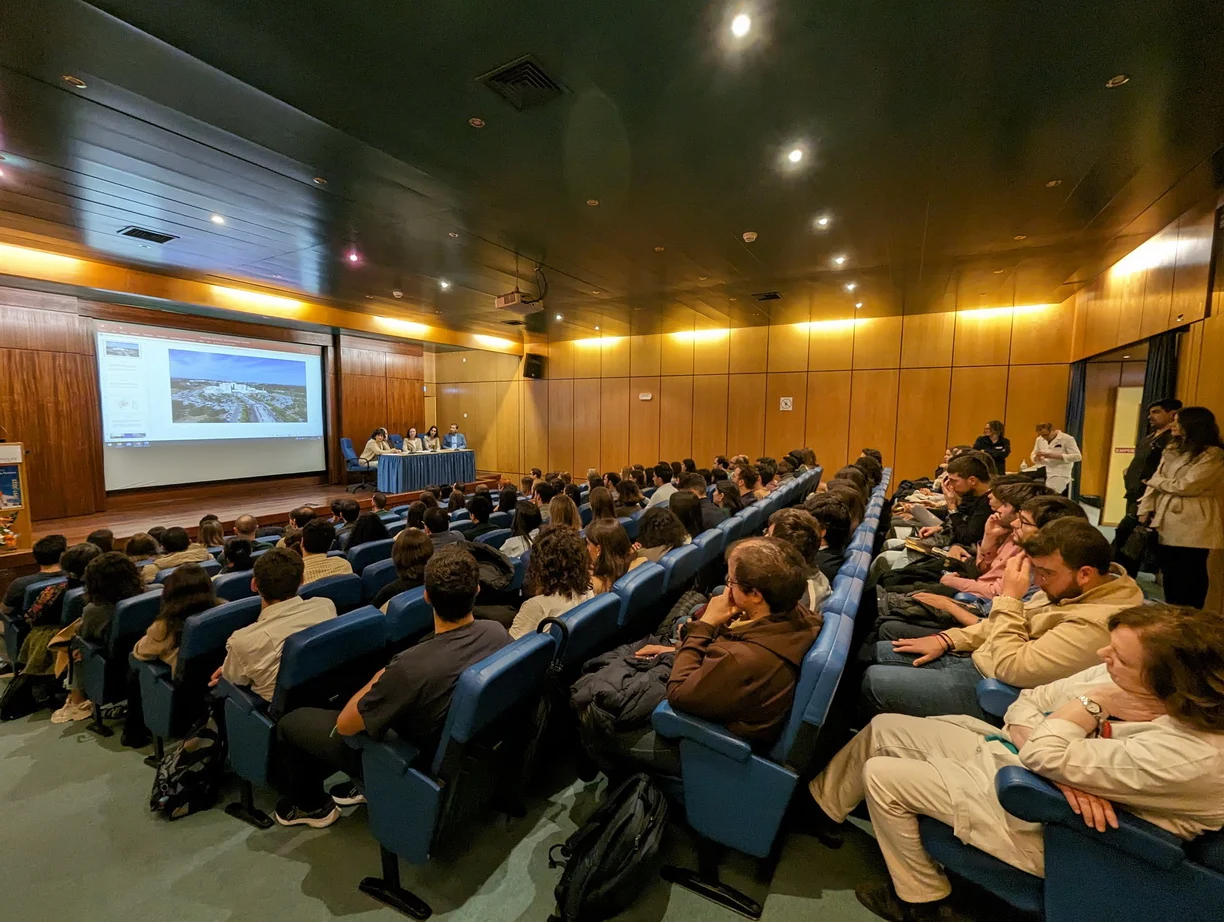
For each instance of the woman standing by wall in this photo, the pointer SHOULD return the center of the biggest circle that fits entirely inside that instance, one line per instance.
(993, 442)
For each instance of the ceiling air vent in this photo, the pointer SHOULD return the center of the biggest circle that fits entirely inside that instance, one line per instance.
(768, 296)
(515, 323)
(522, 83)
(141, 233)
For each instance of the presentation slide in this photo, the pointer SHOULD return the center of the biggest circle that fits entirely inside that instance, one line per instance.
(184, 407)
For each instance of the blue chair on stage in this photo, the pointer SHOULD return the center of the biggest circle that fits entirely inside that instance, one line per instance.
(396, 440)
(234, 586)
(420, 800)
(104, 663)
(344, 590)
(640, 592)
(409, 618)
(171, 701)
(363, 555)
(353, 462)
(308, 659)
(1135, 873)
(374, 577)
(495, 538)
(211, 567)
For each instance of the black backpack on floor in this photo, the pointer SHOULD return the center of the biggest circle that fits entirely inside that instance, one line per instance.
(610, 859)
(189, 776)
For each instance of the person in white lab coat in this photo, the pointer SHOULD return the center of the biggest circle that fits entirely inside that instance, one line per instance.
(1057, 452)
(1145, 730)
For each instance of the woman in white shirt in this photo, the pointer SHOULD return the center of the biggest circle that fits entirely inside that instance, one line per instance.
(377, 445)
(559, 574)
(412, 441)
(1144, 730)
(527, 522)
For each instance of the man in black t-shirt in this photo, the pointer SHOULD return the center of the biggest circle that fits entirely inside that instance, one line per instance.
(47, 553)
(411, 696)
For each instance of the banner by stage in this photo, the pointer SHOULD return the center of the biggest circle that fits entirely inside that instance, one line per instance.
(404, 473)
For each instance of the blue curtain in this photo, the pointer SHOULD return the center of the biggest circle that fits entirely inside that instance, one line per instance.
(1075, 413)
(1160, 375)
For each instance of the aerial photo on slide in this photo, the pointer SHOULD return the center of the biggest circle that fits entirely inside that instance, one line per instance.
(216, 387)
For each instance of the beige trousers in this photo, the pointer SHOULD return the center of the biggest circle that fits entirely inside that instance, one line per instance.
(890, 764)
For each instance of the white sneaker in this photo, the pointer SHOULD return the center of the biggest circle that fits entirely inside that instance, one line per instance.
(72, 712)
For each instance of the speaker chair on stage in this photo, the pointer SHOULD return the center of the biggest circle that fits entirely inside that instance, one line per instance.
(354, 463)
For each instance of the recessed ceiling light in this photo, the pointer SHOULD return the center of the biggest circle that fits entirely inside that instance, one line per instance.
(998, 272)
(597, 329)
(278, 276)
(217, 219)
(353, 256)
(369, 297)
(592, 202)
(823, 221)
(1117, 80)
(795, 155)
(658, 249)
(1, 174)
(858, 304)
(1053, 183)
(558, 316)
(452, 234)
(741, 25)
(319, 181)
(596, 291)
(73, 81)
(1020, 237)
(476, 122)
(146, 246)
(1126, 356)
(733, 299)
(443, 284)
(839, 260)
(850, 286)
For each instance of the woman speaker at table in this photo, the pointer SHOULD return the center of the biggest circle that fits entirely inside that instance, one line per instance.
(412, 441)
(432, 441)
(377, 445)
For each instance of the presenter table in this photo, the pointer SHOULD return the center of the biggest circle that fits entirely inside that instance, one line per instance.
(403, 473)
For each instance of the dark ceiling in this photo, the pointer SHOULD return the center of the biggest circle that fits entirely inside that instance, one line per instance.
(930, 132)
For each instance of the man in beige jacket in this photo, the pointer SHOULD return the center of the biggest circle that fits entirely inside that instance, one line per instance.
(1055, 634)
(944, 767)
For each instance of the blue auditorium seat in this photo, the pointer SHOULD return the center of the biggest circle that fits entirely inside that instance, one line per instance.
(171, 702)
(459, 515)
(353, 462)
(374, 577)
(630, 524)
(307, 656)
(365, 554)
(395, 526)
(211, 567)
(74, 604)
(590, 629)
(417, 801)
(680, 566)
(234, 586)
(344, 590)
(16, 628)
(995, 697)
(501, 519)
(495, 538)
(584, 513)
(104, 663)
(400, 510)
(710, 543)
(1136, 873)
(409, 618)
(463, 526)
(640, 592)
(732, 528)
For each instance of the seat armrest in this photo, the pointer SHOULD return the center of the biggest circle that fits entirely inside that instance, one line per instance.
(995, 697)
(1030, 797)
(241, 697)
(676, 725)
(90, 647)
(159, 671)
(967, 597)
(392, 749)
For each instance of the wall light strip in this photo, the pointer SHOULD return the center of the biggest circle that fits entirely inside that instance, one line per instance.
(256, 299)
(497, 342)
(1020, 310)
(830, 326)
(404, 327)
(698, 336)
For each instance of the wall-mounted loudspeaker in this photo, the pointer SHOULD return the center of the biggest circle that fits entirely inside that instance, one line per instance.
(533, 366)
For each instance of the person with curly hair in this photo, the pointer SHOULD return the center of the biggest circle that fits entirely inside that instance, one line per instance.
(659, 531)
(559, 574)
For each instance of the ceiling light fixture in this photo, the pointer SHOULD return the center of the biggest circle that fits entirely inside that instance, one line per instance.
(353, 256)
(476, 122)
(795, 155)
(702, 278)
(1020, 237)
(443, 284)
(839, 260)
(858, 304)
(319, 181)
(733, 299)
(452, 234)
(592, 202)
(1, 174)
(850, 286)
(823, 221)
(741, 25)
(558, 316)
(217, 219)
(998, 272)
(1126, 356)
(72, 81)
(1053, 183)
(1117, 80)
(596, 291)
(597, 330)
(658, 249)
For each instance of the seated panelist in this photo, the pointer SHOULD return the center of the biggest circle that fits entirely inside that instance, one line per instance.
(431, 440)
(412, 441)
(454, 439)
(378, 444)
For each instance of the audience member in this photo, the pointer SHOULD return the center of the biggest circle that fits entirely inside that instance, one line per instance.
(677, 469)
(630, 498)
(245, 526)
(156, 533)
(1054, 635)
(872, 470)
(870, 453)
(252, 653)
(317, 539)
(103, 539)
(368, 527)
(558, 576)
(1144, 730)
(601, 503)
(659, 531)
(527, 522)
(711, 514)
(526, 485)
(749, 482)
(768, 470)
(378, 502)
(186, 592)
(611, 553)
(47, 553)
(409, 554)
(141, 549)
(664, 488)
(456, 502)
(237, 556)
(833, 519)
(562, 511)
(1057, 452)
(993, 443)
(299, 518)
(727, 497)
(415, 516)
(210, 534)
(687, 508)
(639, 478)
(800, 530)
(429, 499)
(574, 492)
(611, 480)
(507, 499)
(542, 494)
(856, 476)
(45, 615)
(180, 549)
(411, 697)
(479, 508)
(347, 512)
(850, 497)
(437, 526)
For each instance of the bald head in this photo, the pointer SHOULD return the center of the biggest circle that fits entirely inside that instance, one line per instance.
(245, 526)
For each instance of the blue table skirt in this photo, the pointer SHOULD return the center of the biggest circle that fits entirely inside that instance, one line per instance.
(403, 473)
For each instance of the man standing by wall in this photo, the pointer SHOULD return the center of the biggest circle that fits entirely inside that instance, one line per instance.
(1057, 452)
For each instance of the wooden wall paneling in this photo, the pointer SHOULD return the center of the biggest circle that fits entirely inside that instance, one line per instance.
(1189, 352)
(1035, 394)
(877, 342)
(508, 421)
(982, 338)
(828, 419)
(675, 417)
(978, 394)
(1158, 287)
(409, 367)
(405, 404)
(922, 420)
(926, 339)
(749, 350)
(614, 450)
(745, 416)
(331, 414)
(1133, 374)
(1079, 329)
(710, 417)
(711, 353)
(644, 355)
(480, 426)
(1101, 317)
(561, 424)
(362, 362)
(831, 346)
(614, 357)
(785, 429)
(676, 354)
(1129, 293)
(1043, 337)
(363, 401)
(562, 359)
(588, 425)
(1209, 389)
(535, 397)
(1191, 274)
(643, 421)
(788, 347)
(873, 411)
(230, 326)
(44, 330)
(1100, 391)
(448, 368)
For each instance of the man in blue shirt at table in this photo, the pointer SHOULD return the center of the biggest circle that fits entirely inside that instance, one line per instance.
(454, 439)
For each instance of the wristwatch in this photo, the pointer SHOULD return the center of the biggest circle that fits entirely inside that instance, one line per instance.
(1097, 712)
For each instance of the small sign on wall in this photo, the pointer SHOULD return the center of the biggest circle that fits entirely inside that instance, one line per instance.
(645, 396)
(786, 403)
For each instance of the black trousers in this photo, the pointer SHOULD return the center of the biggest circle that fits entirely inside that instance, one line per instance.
(133, 722)
(1185, 574)
(308, 754)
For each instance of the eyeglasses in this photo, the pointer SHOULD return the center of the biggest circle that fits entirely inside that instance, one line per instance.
(1025, 522)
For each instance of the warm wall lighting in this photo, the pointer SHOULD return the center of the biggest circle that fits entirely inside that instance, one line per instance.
(403, 327)
(36, 263)
(1020, 310)
(493, 342)
(597, 342)
(829, 326)
(240, 297)
(699, 336)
